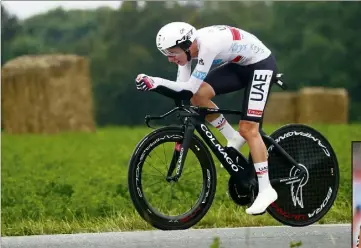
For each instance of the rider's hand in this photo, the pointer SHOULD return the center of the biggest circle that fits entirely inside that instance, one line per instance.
(144, 82)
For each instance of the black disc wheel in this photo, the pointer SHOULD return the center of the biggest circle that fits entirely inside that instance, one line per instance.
(304, 201)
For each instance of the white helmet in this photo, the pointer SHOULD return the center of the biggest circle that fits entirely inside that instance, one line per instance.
(175, 34)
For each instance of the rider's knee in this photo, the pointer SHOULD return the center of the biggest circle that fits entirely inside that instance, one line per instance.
(248, 129)
(196, 100)
(204, 94)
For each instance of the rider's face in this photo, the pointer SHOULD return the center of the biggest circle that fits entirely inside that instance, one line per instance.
(178, 56)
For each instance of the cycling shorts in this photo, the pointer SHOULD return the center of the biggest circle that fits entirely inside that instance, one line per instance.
(255, 79)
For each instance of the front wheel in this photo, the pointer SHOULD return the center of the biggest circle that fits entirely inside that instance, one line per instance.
(306, 201)
(171, 205)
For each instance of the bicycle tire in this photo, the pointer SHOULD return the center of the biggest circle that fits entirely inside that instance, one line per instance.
(310, 148)
(152, 216)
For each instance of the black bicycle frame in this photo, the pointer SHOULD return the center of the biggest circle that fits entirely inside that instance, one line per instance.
(235, 163)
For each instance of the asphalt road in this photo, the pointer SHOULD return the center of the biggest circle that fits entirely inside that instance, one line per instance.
(256, 237)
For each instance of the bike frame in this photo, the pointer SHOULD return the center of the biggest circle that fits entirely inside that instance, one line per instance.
(194, 119)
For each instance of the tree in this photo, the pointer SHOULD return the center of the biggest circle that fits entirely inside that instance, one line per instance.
(10, 28)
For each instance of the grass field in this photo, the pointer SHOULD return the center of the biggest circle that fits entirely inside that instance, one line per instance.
(77, 182)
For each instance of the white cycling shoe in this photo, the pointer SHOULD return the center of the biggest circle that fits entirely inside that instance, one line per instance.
(263, 200)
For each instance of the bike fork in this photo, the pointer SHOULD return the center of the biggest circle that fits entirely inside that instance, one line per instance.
(180, 153)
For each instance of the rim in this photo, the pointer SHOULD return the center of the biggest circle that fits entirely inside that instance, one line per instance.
(189, 168)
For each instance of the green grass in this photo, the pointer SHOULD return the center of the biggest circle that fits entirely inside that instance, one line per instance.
(215, 243)
(77, 182)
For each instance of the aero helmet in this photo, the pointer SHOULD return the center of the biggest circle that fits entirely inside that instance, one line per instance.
(175, 34)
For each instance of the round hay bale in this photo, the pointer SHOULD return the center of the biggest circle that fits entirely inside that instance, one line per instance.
(47, 94)
(281, 108)
(322, 105)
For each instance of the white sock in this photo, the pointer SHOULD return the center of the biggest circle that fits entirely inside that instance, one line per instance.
(224, 127)
(262, 175)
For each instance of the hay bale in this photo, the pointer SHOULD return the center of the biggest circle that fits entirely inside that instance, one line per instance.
(47, 94)
(281, 108)
(322, 105)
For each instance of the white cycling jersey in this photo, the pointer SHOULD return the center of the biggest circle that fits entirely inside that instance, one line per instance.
(217, 44)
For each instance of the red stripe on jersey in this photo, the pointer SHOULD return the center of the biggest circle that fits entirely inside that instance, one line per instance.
(236, 36)
(235, 33)
(236, 59)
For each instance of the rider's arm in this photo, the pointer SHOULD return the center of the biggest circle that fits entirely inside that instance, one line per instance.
(184, 72)
(205, 59)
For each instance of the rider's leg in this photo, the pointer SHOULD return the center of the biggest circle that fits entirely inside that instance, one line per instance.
(267, 194)
(255, 99)
(203, 98)
(220, 80)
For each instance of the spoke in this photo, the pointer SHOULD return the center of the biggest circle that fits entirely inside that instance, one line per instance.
(152, 184)
(165, 156)
(179, 185)
(155, 175)
(188, 172)
(159, 158)
(189, 180)
(155, 168)
(171, 194)
(160, 187)
(165, 164)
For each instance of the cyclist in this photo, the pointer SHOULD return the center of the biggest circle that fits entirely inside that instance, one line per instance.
(242, 61)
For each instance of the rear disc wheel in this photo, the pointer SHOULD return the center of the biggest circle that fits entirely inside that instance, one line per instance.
(306, 201)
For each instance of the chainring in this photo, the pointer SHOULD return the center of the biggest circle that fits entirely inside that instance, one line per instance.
(243, 194)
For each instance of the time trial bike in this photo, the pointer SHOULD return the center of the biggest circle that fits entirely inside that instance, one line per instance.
(303, 169)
